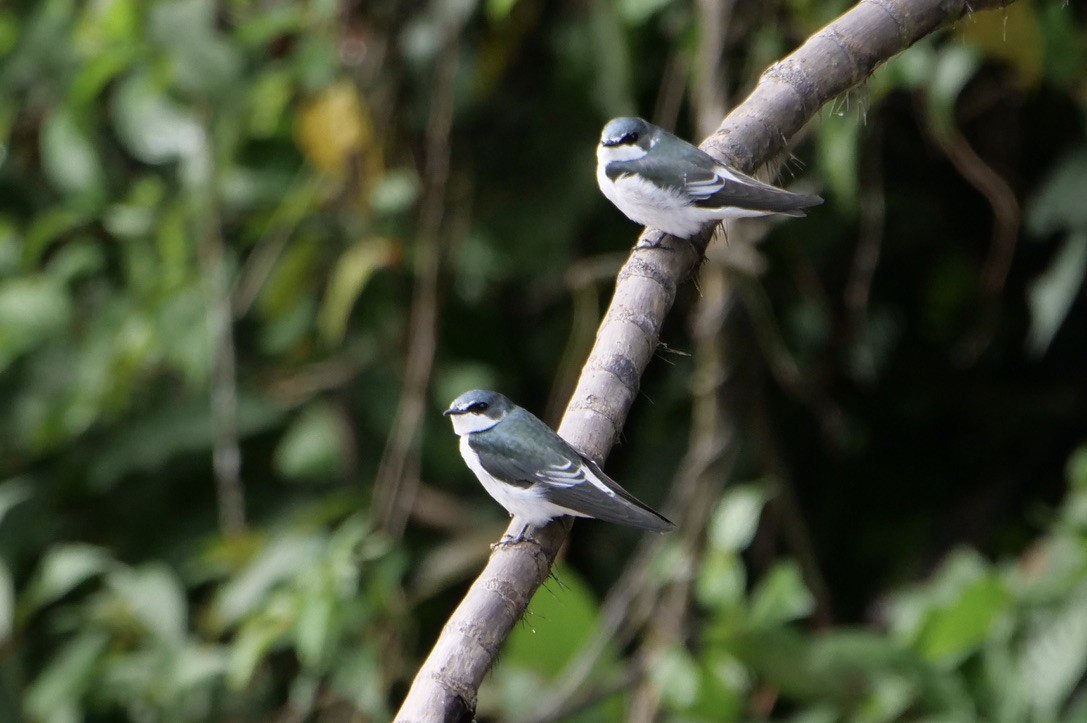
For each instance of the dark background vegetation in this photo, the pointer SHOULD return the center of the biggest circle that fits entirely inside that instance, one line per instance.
(215, 222)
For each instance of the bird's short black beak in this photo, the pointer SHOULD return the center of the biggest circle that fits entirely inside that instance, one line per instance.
(450, 412)
(609, 142)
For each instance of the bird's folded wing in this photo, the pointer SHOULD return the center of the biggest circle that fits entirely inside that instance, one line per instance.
(565, 478)
(712, 186)
(601, 497)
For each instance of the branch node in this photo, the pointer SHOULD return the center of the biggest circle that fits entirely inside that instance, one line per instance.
(637, 266)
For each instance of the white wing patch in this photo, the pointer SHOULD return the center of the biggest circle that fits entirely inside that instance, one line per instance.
(562, 475)
(704, 188)
(573, 473)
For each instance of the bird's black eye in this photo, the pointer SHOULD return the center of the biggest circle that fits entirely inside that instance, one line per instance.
(628, 138)
(477, 407)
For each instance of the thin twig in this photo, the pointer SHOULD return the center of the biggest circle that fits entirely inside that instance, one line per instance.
(226, 454)
(1003, 239)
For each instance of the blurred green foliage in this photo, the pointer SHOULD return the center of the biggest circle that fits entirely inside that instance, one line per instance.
(164, 161)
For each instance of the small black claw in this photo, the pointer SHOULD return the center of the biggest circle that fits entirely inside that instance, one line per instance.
(658, 245)
(508, 540)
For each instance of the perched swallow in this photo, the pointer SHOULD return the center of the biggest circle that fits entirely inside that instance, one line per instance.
(664, 182)
(533, 472)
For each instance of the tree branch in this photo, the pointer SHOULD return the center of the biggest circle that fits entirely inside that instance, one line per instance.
(789, 93)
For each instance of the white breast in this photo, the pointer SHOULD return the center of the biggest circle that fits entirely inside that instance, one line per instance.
(649, 205)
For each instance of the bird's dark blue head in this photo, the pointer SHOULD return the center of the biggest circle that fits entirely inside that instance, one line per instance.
(477, 410)
(627, 131)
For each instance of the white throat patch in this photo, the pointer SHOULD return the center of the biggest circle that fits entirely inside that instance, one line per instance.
(611, 154)
(471, 422)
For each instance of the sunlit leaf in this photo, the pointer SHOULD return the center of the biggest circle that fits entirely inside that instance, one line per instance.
(334, 130)
(955, 629)
(154, 595)
(1050, 296)
(394, 192)
(736, 518)
(69, 156)
(62, 569)
(105, 24)
(153, 127)
(349, 277)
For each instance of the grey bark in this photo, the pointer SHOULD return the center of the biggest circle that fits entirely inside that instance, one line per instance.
(789, 93)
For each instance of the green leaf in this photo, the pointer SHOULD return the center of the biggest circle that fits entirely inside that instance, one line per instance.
(559, 620)
(780, 597)
(676, 675)
(13, 492)
(838, 144)
(395, 192)
(722, 580)
(1075, 470)
(155, 596)
(285, 556)
(1054, 655)
(257, 636)
(357, 677)
(315, 628)
(98, 72)
(7, 602)
(637, 12)
(954, 630)
(63, 568)
(203, 63)
(154, 128)
(1051, 295)
(314, 447)
(57, 694)
(736, 518)
(349, 277)
(499, 9)
(69, 156)
(32, 309)
(955, 66)
(1058, 203)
